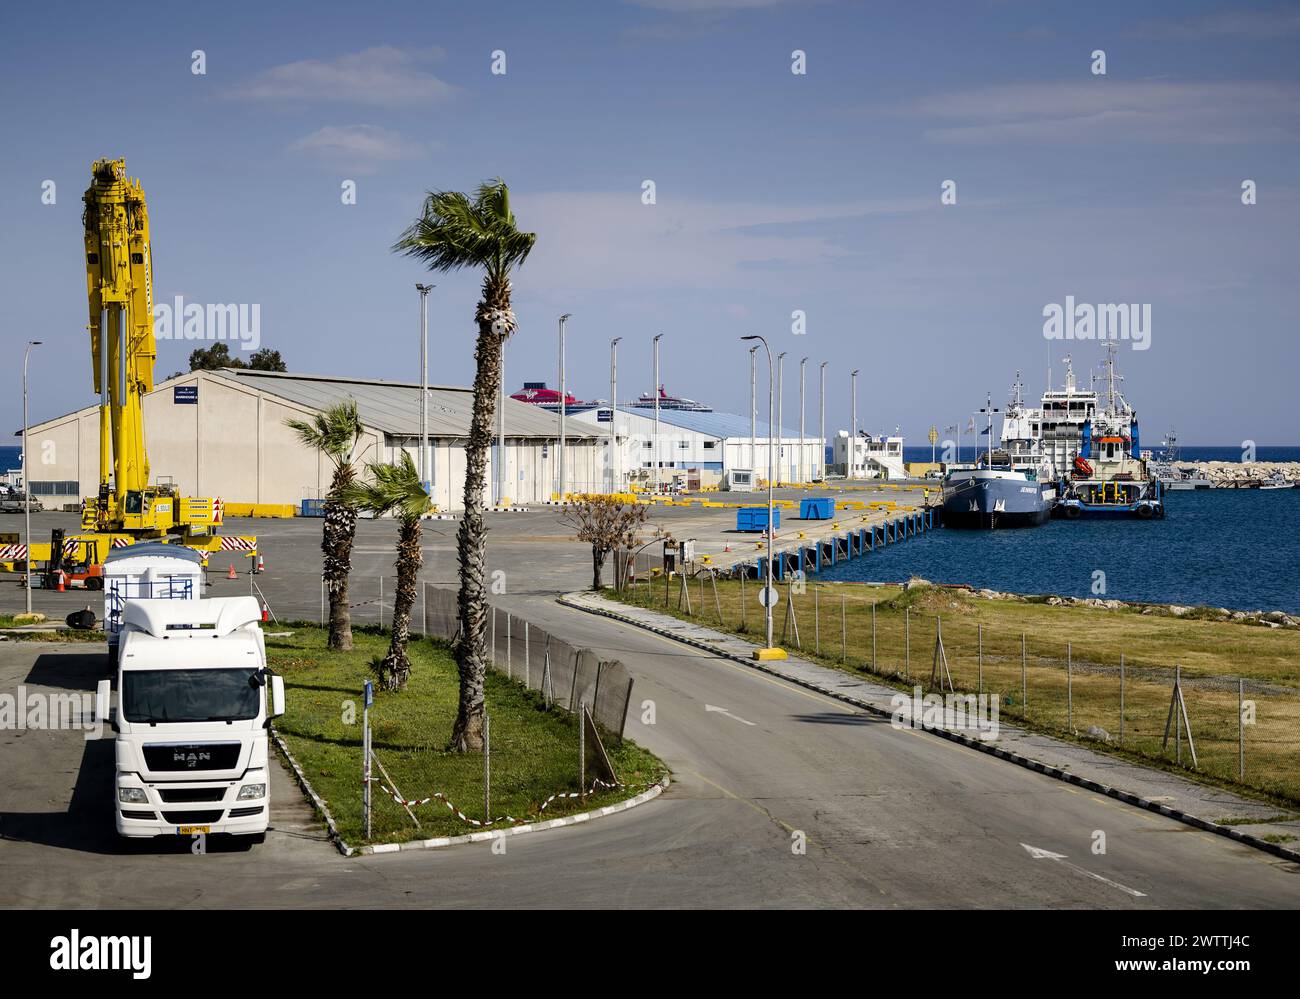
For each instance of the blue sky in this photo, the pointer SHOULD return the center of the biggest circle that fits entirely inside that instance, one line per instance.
(775, 192)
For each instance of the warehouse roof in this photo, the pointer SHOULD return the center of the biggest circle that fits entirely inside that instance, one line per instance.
(711, 424)
(394, 407)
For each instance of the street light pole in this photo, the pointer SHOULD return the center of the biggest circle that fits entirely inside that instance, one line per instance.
(501, 439)
(821, 450)
(27, 480)
(424, 462)
(768, 652)
(613, 415)
(853, 439)
(780, 416)
(563, 471)
(803, 364)
(753, 410)
(658, 484)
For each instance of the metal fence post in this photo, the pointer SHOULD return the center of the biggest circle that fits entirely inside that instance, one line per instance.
(1178, 716)
(844, 631)
(424, 606)
(874, 668)
(526, 670)
(907, 642)
(322, 601)
(1241, 729)
(487, 768)
(582, 749)
(1024, 679)
(365, 754)
(979, 682)
(381, 601)
(509, 650)
(1069, 687)
(817, 621)
(1121, 698)
(494, 636)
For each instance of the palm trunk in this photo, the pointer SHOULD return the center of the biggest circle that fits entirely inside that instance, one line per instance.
(336, 548)
(395, 669)
(495, 322)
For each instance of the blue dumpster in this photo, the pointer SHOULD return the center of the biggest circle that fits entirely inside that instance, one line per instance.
(817, 508)
(313, 508)
(754, 518)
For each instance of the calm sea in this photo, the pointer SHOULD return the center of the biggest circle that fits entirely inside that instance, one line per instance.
(1235, 548)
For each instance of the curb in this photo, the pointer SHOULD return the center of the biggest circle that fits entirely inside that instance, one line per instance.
(440, 842)
(1128, 797)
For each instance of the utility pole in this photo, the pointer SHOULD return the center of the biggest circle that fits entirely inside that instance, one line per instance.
(853, 438)
(424, 463)
(821, 451)
(27, 479)
(613, 415)
(501, 439)
(780, 416)
(658, 484)
(803, 364)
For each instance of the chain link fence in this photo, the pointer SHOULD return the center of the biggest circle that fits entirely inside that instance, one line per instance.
(1101, 683)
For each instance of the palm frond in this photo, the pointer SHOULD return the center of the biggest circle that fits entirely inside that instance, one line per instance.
(394, 488)
(334, 430)
(452, 232)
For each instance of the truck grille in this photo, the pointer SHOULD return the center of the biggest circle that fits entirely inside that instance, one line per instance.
(183, 795)
(173, 756)
(193, 818)
(136, 813)
(243, 813)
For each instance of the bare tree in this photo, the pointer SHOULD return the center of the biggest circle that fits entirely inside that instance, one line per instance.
(608, 525)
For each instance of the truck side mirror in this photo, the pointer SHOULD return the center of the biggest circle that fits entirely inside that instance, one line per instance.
(102, 693)
(277, 695)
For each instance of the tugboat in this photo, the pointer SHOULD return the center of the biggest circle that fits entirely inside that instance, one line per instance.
(1010, 486)
(1109, 477)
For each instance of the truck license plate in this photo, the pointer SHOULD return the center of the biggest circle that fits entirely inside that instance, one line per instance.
(192, 830)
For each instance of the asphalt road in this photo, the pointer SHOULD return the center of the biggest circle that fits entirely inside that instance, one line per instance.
(891, 818)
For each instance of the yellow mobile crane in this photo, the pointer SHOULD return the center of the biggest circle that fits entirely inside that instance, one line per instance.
(119, 285)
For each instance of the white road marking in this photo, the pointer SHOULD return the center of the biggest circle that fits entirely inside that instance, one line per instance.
(723, 711)
(1038, 853)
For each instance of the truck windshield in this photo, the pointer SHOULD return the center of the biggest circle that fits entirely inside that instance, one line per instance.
(190, 695)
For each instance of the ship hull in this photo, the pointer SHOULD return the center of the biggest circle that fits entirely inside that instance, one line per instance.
(997, 503)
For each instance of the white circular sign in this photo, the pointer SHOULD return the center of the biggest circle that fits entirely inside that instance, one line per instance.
(768, 596)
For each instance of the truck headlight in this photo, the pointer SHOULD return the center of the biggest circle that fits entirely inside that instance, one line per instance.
(132, 796)
(252, 791)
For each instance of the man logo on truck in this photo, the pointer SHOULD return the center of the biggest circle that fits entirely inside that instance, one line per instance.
(191, 759)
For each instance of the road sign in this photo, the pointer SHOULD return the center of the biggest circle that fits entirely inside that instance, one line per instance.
(768, 596)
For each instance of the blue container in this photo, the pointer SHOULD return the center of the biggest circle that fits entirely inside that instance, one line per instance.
(817, 508)
(313, 508)
(754, 518)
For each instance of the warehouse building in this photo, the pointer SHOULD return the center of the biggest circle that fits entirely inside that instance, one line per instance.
(711, 442)
(223, 434)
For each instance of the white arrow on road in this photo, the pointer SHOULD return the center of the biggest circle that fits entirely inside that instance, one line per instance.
(1038, 853)
(723, 711)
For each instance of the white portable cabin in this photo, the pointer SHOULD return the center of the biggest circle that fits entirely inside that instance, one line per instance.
(738, 480)
(147, 571)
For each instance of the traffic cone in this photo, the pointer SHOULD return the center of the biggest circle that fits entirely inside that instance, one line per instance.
(266, 612)
(58, 582)
(260, 565)
(231, 574)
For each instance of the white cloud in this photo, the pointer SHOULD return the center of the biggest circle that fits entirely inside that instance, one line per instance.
(1102, 108)
(378, 76)
(362, 147)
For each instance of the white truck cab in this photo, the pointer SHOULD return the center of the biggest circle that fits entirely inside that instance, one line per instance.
(194, 704)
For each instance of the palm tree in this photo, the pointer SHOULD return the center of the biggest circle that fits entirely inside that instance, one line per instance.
(397, 489)
(454, 232)
(335, 432)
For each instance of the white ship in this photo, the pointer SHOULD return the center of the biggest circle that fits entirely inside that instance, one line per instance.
(1165, 467)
